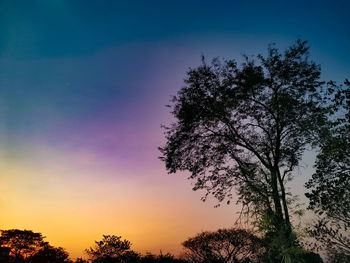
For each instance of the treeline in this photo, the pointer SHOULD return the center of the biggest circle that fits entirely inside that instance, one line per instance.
(25, 246)
(222, 246)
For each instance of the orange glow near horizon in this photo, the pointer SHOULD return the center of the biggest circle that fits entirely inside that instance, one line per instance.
(73, 206)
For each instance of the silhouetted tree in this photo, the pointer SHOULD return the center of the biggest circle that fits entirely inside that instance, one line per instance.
(50, 254)
(330, 184)
(246, 128)
(112, 249)
(224, 246)
(22, 243)
(26, 246)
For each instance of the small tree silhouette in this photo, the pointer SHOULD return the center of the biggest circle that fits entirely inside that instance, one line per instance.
(110, 247)
(224, 245)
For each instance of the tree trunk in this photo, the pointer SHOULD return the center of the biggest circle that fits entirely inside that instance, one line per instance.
(276, 197)
(285, 206)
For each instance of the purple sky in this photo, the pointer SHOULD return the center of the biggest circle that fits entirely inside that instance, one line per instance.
(83, 89)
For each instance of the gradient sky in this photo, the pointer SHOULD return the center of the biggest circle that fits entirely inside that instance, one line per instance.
(83, 86)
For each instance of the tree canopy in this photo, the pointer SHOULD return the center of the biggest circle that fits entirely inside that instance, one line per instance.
(22, 243)
(112, 249)
(224, 245)
(245, 128)
(27, 246)
(330, 184)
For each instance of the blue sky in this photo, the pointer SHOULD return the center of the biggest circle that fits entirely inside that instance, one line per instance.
(74, 56)
(79, 27)
(83, 86)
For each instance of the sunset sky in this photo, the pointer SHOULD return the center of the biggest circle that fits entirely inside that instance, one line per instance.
(83, 89)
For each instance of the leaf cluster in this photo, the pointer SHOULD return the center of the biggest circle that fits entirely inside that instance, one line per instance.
(242, 127)
(110, 246)
(330, 184)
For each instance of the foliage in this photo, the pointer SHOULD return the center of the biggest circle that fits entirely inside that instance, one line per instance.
(280, 249)
(246, 127)
(336, 257)
(27, 246)
(112, 249)
(330, 184)
(277, 250)
(80, 260)
(224, 245)
(161, 258)
(50, 254)
(23, 243)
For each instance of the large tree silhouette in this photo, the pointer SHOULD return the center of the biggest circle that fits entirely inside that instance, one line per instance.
(245, 128)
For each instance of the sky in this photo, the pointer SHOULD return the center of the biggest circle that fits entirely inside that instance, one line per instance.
(83, 89)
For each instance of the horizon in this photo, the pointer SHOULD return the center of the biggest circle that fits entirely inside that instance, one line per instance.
(83, 89)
